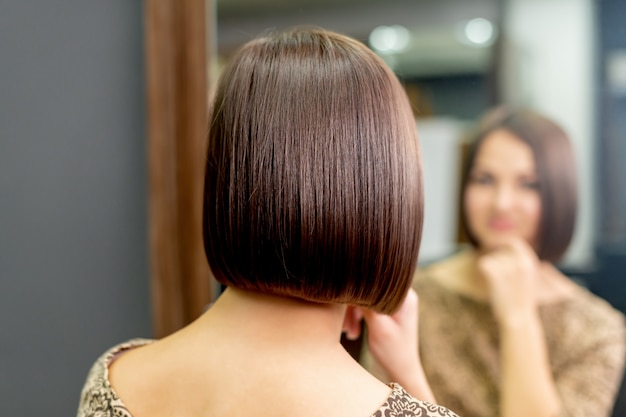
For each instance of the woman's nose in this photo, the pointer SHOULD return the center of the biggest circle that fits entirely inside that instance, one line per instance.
(503, 198)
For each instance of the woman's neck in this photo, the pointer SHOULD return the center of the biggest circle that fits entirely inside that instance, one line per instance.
(460, 274)
(252, 348)
(265, 318)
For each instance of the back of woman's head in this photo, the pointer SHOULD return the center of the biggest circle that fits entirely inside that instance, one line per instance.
(556, 173)
(313, 181)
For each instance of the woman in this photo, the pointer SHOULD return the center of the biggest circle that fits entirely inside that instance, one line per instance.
(312, 201)
(502, 331)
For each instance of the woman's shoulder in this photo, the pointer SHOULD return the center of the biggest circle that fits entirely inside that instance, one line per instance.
(594, 311)
(401, 403)
(97, 396)
(583, 320)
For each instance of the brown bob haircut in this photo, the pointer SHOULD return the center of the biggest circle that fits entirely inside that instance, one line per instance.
(313, 185)
(556, 173)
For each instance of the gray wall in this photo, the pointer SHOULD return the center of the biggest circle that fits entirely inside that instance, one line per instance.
(73, 245)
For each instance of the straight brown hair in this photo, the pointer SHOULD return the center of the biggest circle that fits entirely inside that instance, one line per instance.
(556, 173)
(313, 185)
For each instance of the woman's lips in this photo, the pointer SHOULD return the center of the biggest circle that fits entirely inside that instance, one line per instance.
(501, 225)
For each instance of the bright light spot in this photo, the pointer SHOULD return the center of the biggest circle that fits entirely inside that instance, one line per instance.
(479, 31)
(389, 38)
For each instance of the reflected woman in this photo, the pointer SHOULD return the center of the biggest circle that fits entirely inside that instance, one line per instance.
(503, 332)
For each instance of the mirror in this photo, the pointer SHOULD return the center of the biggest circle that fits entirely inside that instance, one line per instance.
(457, 58)
(565, 58)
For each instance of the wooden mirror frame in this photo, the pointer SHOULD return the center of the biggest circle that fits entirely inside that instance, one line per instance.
(177, 84)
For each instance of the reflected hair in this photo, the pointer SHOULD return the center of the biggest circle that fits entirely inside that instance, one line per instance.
(313, 184)
(556, 174)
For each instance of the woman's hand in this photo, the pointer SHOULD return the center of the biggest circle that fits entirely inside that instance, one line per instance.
(392, 339)
(393, 343)
(527, 387)
(388, 335)
(511, 273)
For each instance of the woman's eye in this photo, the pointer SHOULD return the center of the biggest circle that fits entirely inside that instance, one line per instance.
(530, 185)
(481, 179)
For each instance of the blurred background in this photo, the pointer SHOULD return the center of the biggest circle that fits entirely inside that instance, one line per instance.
(75, 259)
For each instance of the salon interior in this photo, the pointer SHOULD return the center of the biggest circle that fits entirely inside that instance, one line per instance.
(78, 150)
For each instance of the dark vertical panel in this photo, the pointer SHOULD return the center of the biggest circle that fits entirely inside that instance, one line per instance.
(612, 125)
(611, 247)
(73, 246)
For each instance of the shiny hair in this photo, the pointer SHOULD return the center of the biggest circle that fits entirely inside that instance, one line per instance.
(556, 174)
(313, 185)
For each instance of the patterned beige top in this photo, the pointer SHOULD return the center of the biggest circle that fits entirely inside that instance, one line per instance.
(98, 399)
(458, 337)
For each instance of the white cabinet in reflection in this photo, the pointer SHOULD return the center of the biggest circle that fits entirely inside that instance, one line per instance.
(440, 140)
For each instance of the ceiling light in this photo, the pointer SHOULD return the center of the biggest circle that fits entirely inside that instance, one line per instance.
(388, 39)
(479, 31)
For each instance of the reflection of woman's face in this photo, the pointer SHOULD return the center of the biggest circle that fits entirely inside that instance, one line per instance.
(501, 197)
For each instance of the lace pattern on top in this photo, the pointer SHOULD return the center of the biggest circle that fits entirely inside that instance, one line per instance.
(401, 404)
